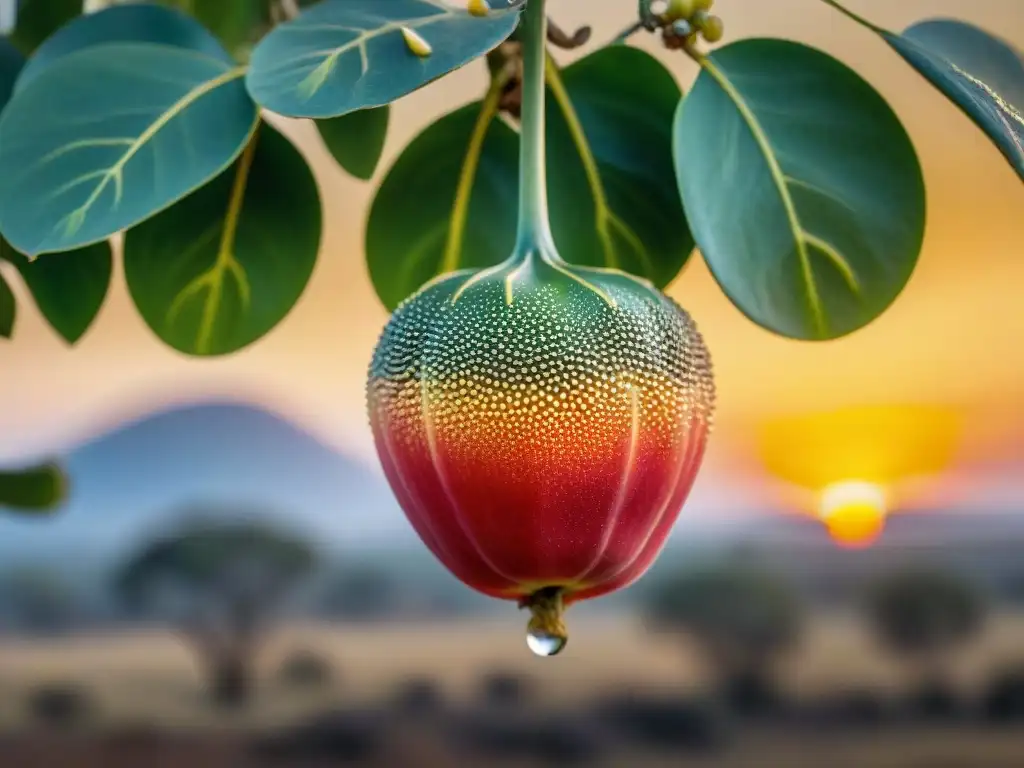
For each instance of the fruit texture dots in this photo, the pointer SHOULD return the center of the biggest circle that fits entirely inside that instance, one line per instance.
(540, 424)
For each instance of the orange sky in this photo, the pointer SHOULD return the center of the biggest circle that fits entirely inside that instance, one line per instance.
(953, 337)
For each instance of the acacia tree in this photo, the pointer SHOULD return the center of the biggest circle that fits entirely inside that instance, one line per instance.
(922, 614)
(222, 583)
(744, 619)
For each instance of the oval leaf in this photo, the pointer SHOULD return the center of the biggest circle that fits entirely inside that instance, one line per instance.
(68, 288)
(37, 489)
(448, 203)
(802, 188)
(123, 24)
(980, 73)
(137, 127)
(357, 139)
(39, 19)
(8, 309)
(338, 57)
(225, 265)
(611, 180)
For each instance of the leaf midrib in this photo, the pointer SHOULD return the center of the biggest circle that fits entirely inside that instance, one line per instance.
(605, 218)
(310, 85)
(225, 263)
(74, 220)
(800, 235)
(1004, 109)
(467, 176)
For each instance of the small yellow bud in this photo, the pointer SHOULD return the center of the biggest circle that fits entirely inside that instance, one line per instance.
(713, 29)
(478, 8)
(703, 5)
(415, 43)
(679, 9)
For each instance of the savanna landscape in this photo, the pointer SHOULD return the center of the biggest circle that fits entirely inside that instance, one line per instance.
(608, 383)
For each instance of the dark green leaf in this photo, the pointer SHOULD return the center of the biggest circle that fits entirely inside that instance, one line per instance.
(237, 23)
(69, 288)
(11, 63)
(338, 57)
(357, 139)
(124, 24)
(37, 489)
(802, 188)
(220, 269)
(424, 222)
(980, 73)
(8, 309)
(611, 180)
(137, 127)
(612, 188)
(38, 19)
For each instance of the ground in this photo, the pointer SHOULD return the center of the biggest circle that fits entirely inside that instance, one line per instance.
(144, 687)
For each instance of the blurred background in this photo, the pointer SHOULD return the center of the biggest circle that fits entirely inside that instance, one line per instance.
(232, 583)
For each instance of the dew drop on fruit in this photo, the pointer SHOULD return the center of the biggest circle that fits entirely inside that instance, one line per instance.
(545, 644)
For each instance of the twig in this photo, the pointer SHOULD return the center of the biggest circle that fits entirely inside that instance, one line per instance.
(629, 32)
(559, 38)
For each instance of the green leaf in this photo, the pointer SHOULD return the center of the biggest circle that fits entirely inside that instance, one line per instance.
(357, 139)
(39, 19)
(8, 309)
(339, 57)
(225, 265)
(123, 24)
(980, 73)
(237, 23)
(69, 288)
(37, 489)
(11, 63)
(137, 127)
(611, 180)
(450, 200)
(802, 188)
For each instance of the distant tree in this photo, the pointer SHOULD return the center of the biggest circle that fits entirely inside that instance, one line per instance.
(923, 613)
(37, 601)
(223, 581)
(744, 619)
(362, 594)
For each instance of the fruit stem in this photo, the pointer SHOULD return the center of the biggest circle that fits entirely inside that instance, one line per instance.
(534, 226)
(547, 614)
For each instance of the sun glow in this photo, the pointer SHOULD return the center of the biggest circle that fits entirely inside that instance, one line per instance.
(854, 511)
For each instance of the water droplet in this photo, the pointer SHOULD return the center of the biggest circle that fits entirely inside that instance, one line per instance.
(545, 644)
(415, 43)
(682, 28)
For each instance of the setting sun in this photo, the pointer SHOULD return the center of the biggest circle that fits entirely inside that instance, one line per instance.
(854, 467)
(854, 512)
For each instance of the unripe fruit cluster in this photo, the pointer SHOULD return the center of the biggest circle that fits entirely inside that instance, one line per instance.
(684, 20)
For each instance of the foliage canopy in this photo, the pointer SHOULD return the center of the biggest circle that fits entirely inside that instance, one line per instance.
(790, 174)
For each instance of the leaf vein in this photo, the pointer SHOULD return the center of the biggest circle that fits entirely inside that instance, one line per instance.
(774, 169)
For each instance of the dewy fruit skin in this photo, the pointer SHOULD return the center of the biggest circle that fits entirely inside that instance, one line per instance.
(541, 423)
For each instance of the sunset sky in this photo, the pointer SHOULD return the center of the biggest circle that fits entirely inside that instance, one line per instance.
(955, 337)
